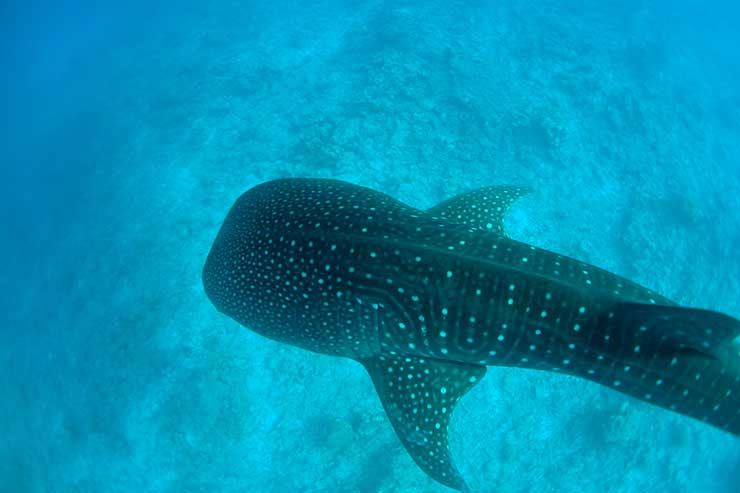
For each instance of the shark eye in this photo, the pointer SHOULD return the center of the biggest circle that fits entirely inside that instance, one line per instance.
(736, 344)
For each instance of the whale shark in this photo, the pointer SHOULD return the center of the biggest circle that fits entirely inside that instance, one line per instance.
(426, 300)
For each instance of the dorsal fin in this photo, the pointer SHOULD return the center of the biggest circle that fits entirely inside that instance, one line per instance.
(687, 330)
(483, 208)
(692, 355)
(418, 395)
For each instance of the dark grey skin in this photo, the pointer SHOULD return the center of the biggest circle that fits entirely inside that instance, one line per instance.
(425, 300)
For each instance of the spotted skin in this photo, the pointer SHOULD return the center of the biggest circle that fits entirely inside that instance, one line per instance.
(426, 300)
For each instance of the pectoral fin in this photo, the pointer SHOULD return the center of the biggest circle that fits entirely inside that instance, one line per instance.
(483, 208)
(418, 395)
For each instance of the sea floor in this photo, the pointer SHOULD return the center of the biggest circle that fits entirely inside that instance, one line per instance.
(119, 375)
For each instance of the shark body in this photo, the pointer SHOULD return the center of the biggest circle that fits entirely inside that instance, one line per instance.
(426, 300)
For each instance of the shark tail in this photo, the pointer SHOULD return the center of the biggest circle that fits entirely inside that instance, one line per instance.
(683, 359)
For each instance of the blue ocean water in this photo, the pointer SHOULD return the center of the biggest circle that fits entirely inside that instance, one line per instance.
(127, 130)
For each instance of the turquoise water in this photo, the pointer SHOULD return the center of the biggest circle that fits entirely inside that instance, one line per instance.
(128, 131)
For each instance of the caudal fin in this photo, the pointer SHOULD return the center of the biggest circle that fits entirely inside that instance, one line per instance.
(683, 359)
